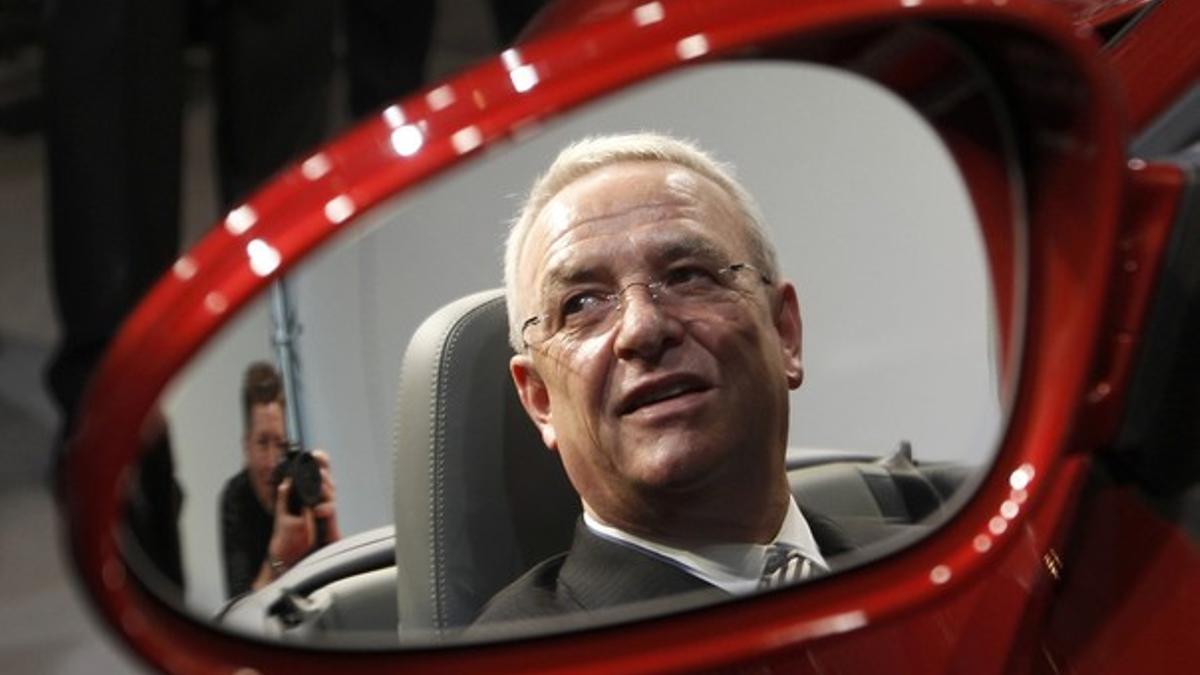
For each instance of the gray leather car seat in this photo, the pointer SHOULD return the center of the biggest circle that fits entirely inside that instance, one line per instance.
(478, 497)
(346, 591)
(873, 500)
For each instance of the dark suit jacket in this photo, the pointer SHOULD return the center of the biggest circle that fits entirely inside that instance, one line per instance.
(598, 573)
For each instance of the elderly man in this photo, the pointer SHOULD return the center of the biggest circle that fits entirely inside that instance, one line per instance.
(656, 346)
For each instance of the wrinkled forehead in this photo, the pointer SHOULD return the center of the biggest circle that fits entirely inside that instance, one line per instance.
(631, 209)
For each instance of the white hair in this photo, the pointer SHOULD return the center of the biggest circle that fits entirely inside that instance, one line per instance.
(592, 153)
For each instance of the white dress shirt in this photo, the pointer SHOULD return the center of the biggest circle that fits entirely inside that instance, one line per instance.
(735, 567)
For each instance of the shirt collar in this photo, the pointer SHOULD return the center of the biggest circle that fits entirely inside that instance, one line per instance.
(733, 567)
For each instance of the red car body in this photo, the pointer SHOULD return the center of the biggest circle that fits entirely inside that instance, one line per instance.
(1058, 562)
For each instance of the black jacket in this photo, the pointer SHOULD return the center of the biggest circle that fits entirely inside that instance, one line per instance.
(598, 573)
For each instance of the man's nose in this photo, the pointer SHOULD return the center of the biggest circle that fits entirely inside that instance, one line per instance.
(644, 328)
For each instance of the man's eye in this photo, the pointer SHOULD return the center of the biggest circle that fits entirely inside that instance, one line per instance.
(582, 303)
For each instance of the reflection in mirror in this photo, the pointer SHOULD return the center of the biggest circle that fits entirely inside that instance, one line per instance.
(436, 492)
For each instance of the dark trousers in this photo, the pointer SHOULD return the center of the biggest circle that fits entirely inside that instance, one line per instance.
(114, 89)
(114, 92)
(114, 95)
(273, 64)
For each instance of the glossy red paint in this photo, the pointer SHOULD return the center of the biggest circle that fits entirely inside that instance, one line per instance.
(1151, 206)
(1158, 61)
(968, 598)
(1133, 603)
(1131, 596)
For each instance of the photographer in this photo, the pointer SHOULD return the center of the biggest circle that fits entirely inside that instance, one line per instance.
(280, 507)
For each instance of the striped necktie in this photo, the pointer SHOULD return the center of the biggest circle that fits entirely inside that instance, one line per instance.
(784, 565)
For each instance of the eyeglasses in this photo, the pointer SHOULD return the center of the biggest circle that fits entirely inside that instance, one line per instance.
(683, 290)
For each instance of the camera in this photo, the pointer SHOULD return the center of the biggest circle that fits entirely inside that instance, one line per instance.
(302, 467)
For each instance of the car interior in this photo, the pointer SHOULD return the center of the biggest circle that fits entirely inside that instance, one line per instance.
(479, 500)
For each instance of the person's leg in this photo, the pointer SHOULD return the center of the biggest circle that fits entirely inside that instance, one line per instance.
(387, 43)
(273, 67)
(114, 91)
(114, 98)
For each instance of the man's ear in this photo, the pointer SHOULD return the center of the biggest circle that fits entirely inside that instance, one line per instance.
(535, 398)
(791, 334)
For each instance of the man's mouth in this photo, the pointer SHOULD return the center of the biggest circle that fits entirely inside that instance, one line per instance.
(658, 391)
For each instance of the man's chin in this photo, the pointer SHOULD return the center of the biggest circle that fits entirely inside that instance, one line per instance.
(674, 467)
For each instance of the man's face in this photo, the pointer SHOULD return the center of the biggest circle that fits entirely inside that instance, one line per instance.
(263, 446)
(664, 406)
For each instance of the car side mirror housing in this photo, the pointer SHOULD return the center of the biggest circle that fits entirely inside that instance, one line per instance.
(1040, 158)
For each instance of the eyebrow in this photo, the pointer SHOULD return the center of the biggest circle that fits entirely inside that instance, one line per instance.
(691, 246)
(674, 249)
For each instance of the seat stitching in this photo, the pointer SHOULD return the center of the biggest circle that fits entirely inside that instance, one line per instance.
(449, 342)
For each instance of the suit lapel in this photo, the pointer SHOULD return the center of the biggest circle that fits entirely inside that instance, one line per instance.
(602, 573)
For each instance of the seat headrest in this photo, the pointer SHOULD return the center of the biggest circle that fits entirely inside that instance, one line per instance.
(478, 497)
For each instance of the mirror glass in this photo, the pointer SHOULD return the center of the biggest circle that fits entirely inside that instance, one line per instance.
(902, 374)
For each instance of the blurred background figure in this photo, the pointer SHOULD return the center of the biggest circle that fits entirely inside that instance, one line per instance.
(247, 504)
(114, 97)
(262, 535)
(148, 110)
